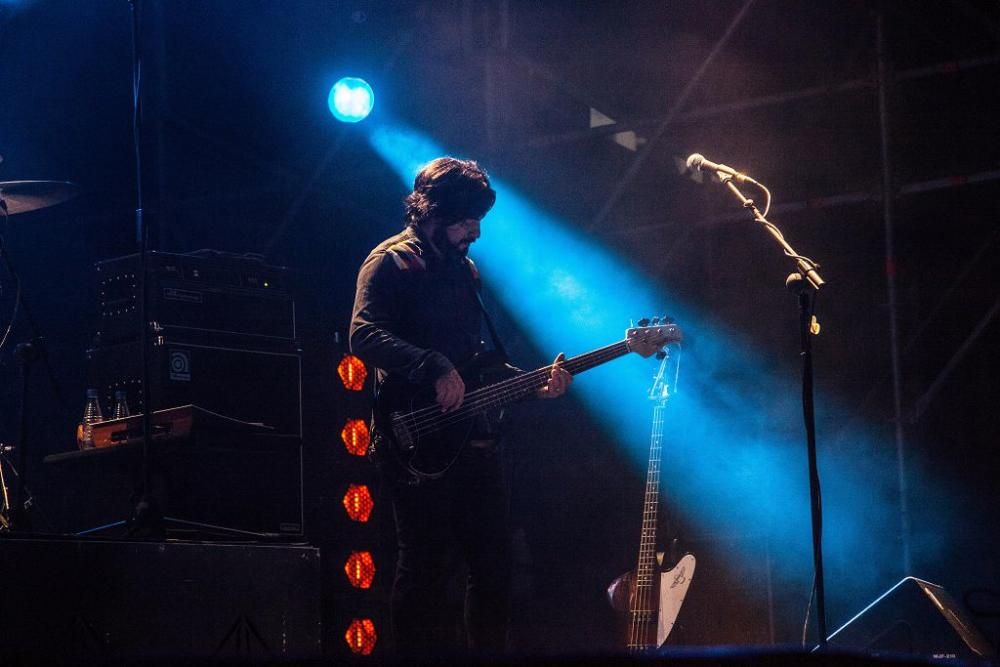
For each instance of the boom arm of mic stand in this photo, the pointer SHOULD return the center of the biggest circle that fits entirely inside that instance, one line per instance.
(805, 266)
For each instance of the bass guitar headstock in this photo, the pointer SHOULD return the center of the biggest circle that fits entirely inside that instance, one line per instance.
(650, 336)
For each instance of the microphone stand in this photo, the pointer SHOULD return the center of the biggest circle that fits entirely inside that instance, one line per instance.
(806, 282)
(146, 519)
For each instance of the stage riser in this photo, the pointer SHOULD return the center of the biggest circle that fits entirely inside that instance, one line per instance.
(100, 600)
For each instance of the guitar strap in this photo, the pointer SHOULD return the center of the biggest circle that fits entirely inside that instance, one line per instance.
(497, 343)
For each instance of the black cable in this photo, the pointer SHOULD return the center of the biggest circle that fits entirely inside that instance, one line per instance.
(805, 624)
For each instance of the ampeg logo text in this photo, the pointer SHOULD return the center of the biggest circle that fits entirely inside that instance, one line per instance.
(180, 365)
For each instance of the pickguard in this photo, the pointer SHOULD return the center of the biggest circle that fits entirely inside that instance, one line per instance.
(674, 585)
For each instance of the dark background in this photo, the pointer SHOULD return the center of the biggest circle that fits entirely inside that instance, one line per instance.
(241, 154)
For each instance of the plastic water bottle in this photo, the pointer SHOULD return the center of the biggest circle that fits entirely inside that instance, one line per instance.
(91, 415)
(121, 405)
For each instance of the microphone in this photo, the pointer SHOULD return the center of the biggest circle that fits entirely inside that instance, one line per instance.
(698, 161)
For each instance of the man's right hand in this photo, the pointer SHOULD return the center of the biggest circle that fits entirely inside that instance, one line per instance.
(450, 390)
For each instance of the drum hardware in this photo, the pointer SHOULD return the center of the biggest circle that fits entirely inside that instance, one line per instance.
(24, 196)
(17, 197)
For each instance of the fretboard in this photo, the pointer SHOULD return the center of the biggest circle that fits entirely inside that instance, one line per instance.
(646, 569)
(519, 387)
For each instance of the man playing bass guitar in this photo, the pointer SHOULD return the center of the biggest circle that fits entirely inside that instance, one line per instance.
(417, 318)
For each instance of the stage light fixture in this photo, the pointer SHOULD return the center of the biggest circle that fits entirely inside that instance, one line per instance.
(351, 100)
(361, 636)
(352, 372)
(355, 436)
(360, 569)
(358, 503)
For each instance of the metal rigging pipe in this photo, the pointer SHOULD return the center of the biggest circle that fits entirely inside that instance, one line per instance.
(888, 211)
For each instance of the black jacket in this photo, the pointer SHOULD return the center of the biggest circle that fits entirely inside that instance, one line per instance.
(416, 315)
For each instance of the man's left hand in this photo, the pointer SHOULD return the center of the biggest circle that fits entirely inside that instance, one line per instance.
(559, 380)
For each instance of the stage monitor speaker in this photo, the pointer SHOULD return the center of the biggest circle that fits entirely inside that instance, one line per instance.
(913, 617)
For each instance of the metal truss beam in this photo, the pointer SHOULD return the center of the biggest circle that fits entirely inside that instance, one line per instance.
(775, 99)
(830, 201)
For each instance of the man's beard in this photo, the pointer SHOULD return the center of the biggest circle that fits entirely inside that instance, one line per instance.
(441, 241)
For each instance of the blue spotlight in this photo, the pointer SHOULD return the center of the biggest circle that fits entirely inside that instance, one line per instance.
(351, 100)
(736, 460)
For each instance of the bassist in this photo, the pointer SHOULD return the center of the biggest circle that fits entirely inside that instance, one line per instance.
(417, 316)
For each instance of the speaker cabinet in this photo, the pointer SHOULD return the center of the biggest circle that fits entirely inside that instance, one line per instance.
(913, 617)
(252, 385)
(208, 293)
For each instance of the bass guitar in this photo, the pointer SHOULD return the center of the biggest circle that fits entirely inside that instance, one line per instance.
(410, 426)
(648, 599)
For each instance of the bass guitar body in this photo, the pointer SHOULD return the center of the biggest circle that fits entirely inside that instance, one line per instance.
(411, 430)
(649, 606)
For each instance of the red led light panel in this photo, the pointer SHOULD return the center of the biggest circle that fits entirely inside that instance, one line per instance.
(355, 436)
(360, 569)
(352, 372)
(361, 636)
(358, 502)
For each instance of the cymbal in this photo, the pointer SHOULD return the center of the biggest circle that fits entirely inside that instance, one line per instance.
(23, 196)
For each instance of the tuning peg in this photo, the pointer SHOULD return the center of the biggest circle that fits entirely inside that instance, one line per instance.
(644, 322)
(666, 319)
(656, 320)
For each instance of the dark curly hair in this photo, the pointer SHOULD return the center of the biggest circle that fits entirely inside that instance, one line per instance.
(450, 190)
